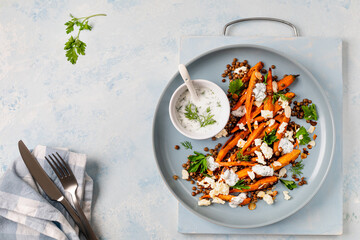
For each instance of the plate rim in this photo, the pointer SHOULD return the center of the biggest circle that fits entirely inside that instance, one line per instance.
(321, 90)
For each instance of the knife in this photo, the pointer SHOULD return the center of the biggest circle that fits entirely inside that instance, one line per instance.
(49, 187)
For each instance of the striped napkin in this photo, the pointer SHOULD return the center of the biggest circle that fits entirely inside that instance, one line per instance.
(25, 210)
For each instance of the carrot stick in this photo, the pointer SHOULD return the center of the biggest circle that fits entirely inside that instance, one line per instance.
(277, 104)
(250, 99)
(254, 135)
(240, 102)
(287, 159)
(230, 144)
(280, 135)
(286, 82)
(257, 67)
(262, 183)
(279, 117)
(253, 149)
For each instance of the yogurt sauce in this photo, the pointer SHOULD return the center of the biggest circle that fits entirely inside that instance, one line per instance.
(207, 101)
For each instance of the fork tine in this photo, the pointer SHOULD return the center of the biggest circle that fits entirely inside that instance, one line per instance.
(65, 163)
(58, 174)
(59, 167)
(63, 166)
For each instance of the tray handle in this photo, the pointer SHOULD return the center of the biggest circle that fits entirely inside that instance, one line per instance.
(296, 32)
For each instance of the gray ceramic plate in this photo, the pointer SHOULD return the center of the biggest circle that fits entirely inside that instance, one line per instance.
(210, 66)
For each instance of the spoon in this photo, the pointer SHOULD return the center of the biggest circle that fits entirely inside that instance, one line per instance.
(189, 83)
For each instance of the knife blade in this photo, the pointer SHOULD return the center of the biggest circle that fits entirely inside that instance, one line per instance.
(47, 185)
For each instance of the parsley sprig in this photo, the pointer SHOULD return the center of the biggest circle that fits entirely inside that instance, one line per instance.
(187, 145)
(236, 86)
(198, 163)
(278, 95)
(305, 136)
(241, 157)
(74, 46)
(297, 168)
(310, 112)
(240, 185)
(289, 184)
(192, 113)
(270, 138)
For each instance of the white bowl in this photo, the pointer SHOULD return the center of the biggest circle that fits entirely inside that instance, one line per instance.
(222, 119)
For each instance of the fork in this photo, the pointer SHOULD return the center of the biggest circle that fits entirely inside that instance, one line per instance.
(68, 181)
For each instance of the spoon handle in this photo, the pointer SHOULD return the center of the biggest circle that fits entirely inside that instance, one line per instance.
(186, 77)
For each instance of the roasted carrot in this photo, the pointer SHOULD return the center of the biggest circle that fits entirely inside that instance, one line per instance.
(241, 163)
(261, 184)
(240, 102)
(287, 159)
(227, 198)
(242, 120)
(286, 82)
(254, 135)
(268, 103)
(253, 149)
(268, 130)
(230, 144)
(256, 67)
(243, 173)
(249, 99)
(279, 117)
(280, 135)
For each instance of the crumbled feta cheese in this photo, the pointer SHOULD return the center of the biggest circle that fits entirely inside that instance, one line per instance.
(260, 157)
(286, 145)
(261, 194)
(257, 103)
(235, 201)
(219, 188)
(266, 150)
(282, 172)
(241, 126)
(283, 103)
(258, 141)
(211, 164)
(206, 182)
(230, 177)
(275, 86)
(287, 111)
(280, 112)
(271, 122)
(264, 171)
(222, 133)
(241, 143)
(242, 69)
(239, 112)
(286, 195)
(185, 174)
(282, 127)
(289, 135)
(268, 199)
(218, 200)
(301, 137)
(251, 175)
(267, 114)
(311, 129)
(204, 202)
(259, 92)
(256, 124)
(277, 164)
(312, 143)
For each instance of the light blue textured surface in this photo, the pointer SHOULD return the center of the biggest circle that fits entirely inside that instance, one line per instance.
(327, 204)
(103, 106)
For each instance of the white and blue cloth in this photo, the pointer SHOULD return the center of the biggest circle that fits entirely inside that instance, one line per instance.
(25, 210)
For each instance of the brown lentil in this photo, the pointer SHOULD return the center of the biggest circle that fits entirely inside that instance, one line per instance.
(206, 149)
(193, 194)
(273, 66)
(175, 177)
(177, 147)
